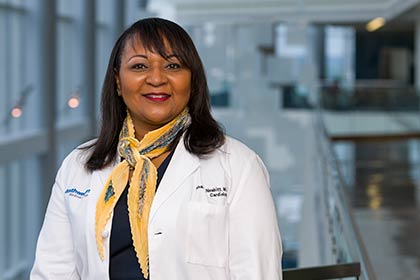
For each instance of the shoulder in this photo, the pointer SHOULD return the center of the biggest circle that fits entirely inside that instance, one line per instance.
(235, 157)
(75, 161)
(243, 167)
(237, 151)
(81, 153)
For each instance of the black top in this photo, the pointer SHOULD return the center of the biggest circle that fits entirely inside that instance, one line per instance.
(123, 264)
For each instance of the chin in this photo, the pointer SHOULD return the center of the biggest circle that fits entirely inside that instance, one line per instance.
(156, 121)
(160, 117)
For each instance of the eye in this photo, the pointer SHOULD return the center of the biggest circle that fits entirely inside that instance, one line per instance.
(138, 66)
(174, 66)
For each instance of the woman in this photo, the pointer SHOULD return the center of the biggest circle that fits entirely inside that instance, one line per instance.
(162, 193)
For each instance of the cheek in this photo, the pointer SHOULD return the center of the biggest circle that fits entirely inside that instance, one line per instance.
(131, 82)
(130, 97)
(186, 96)
(185, 86)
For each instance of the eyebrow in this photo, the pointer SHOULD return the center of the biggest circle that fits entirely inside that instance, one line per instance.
(171, 56)
(138, 55)
(145, 56)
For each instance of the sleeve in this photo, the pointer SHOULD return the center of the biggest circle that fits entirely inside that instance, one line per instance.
(254, 240)
(55, 257)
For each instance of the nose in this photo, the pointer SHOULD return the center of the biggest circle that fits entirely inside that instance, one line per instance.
(156, 77)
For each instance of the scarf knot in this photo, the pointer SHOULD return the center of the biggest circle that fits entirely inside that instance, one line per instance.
(128, 149)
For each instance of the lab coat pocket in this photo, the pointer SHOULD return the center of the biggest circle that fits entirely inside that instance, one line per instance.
(207, 234)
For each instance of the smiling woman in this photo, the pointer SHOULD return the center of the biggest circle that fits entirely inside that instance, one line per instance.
(162, 192)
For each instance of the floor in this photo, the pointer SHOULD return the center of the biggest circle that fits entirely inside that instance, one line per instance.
(383, 181)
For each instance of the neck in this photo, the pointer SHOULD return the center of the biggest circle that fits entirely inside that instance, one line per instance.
(142, 130)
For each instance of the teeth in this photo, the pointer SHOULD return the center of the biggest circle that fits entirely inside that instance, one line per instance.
(157, 95)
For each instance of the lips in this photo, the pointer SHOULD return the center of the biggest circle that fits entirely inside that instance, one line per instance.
(157, 97)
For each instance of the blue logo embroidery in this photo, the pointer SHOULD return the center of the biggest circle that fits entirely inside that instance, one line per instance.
(77, 193)
(109, 192)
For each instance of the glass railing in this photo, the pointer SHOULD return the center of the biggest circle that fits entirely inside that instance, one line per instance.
(343, 254)
(346, 248)
(342, 248)
(376, 108)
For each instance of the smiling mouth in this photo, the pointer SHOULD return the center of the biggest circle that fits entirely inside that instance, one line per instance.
(157, 97)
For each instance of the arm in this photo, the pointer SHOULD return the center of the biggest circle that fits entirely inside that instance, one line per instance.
(55, 257)
(254, 240)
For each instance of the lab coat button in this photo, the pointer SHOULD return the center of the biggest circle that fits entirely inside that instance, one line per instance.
(105, 233)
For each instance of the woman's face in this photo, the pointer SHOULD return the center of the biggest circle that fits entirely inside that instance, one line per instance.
(154, 89)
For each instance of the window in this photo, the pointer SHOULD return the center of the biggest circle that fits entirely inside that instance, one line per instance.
(71, 99)
(14, 91)
(104, 43)
(339, 54)
(19, 222)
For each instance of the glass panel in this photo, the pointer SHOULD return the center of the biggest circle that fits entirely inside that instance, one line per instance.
(70, 9)
(4, 48)
(65, 8)
(104, 11)
(20, 215)
(2, 221)
(104, 43)
(17, 80)
(339, 52)
(16, 2)
(14, 89)
(69, 86)
(215, 44)
(291, 70)
(15, 210)
(71, 99)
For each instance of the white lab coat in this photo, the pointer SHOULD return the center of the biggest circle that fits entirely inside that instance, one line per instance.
(212, 218)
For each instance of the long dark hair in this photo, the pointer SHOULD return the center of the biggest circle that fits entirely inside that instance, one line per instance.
(202, 137)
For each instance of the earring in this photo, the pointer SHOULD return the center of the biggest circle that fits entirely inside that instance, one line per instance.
(118, 92)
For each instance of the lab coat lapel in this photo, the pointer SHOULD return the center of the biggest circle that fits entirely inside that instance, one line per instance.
(98, 181)
(103, 174)
(99, 178)
(180, 167)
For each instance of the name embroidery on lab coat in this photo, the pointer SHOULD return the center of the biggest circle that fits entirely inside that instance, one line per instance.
(76, 193)
(215, 191)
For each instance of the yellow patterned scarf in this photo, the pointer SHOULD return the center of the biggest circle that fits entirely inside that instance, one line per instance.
(137, 157)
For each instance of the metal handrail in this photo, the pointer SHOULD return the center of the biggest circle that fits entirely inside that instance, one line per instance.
(323, 272)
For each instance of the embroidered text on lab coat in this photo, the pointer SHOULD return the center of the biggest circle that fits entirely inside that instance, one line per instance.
(214, 191)
(76, 193)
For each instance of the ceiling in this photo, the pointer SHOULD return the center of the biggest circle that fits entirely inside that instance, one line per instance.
(309, 11)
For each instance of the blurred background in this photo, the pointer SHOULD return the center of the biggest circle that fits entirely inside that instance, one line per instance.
(326, 92)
